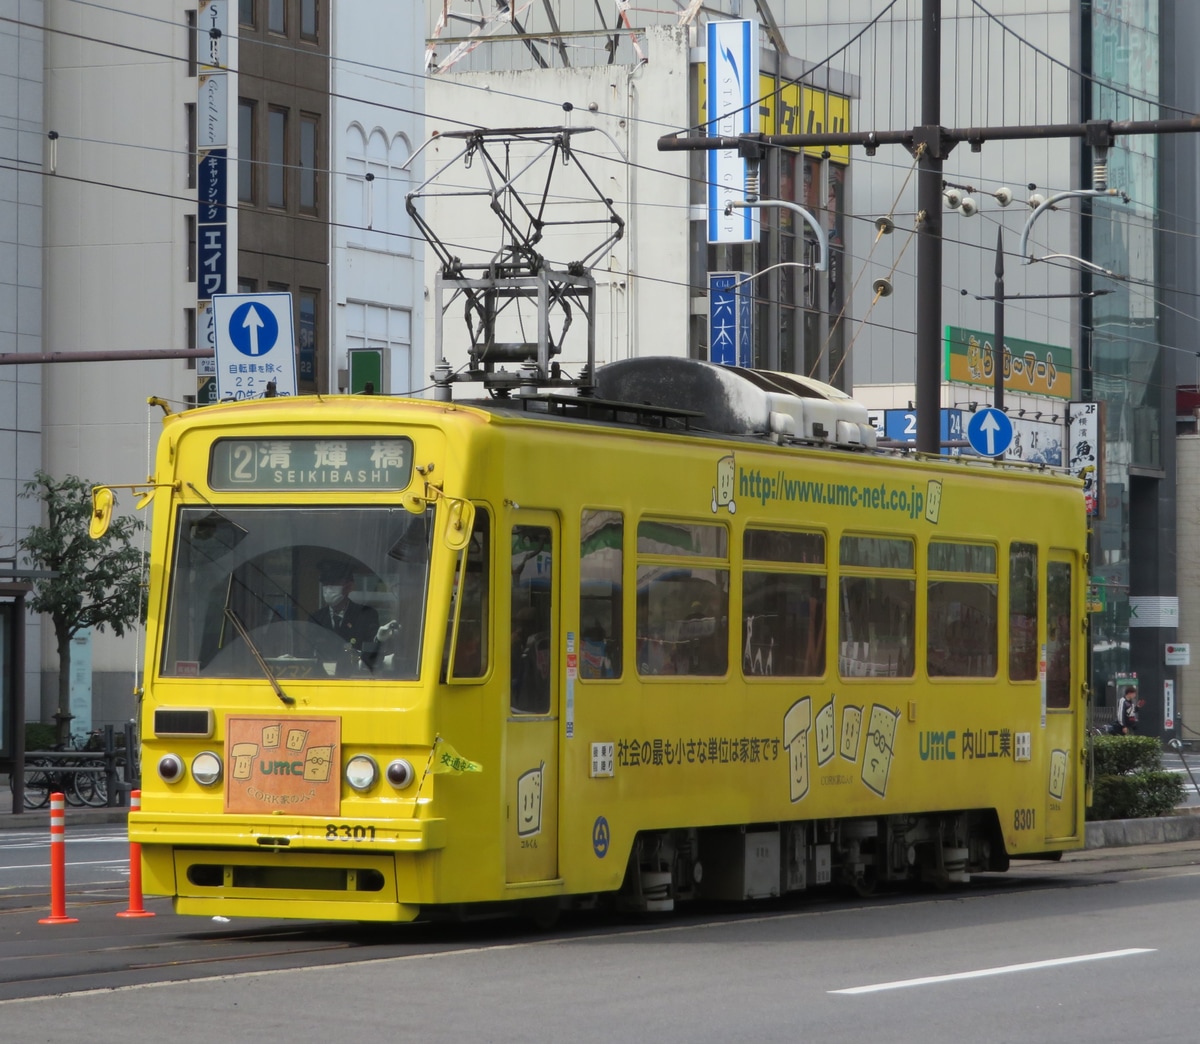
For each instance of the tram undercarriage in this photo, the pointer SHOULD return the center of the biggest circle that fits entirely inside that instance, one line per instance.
(764, 861)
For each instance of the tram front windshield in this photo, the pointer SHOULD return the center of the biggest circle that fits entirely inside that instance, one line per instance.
(304, 592)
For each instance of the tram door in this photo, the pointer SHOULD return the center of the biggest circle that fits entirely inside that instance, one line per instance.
(1064, 697)
(531, 731)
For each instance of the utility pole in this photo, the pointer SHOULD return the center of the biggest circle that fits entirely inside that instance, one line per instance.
(930, 143)
(928, 138)
(998, 336)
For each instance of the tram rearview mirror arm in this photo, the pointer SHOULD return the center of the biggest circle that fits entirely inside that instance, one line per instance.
(104, 499)
(459, 514)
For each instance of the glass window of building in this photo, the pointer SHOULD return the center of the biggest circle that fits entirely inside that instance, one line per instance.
(277, 158)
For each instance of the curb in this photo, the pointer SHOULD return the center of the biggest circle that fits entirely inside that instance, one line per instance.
(1122, 833)
(38, 818)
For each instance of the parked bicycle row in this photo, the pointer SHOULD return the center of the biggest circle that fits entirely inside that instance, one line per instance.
(85, 774)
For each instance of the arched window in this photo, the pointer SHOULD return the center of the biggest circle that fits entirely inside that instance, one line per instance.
(375, 188)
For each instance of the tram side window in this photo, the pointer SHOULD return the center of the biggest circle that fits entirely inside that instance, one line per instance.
(471, 590)
(682, 598)
(877, 601)
(601, 556)
(1058, 634)
(963, 622)
(783, 603)
(1022, 612)
(532, 566)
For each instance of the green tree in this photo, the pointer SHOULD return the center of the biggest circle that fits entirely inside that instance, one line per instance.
(96, 583)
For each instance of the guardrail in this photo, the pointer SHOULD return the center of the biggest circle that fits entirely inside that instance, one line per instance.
(44, 770)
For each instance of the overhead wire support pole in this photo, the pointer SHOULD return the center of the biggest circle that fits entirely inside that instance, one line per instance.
(930, 150)
(935, 143)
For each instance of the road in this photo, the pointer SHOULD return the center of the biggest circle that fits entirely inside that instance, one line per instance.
(1040, 951)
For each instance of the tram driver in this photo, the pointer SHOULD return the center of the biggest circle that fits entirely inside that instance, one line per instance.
(354, 623)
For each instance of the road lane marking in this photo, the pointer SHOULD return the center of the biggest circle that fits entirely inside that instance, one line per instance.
(982, 973)
(70, 863)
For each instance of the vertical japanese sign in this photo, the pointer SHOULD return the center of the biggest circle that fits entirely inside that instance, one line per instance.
(212, 159)
(79, 684)
(1085, 451)
(730, 319)
(732, 107)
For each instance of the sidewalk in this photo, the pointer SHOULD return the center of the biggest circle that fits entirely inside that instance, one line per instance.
(39, 818)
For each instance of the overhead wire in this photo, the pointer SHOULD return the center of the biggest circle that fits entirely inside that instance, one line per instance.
(843, 50)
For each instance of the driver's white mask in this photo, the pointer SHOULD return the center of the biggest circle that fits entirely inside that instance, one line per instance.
(331, 594)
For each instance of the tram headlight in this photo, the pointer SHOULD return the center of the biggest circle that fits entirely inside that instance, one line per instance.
(399, 773)
(206, 768)
(170, 768)
(361, 772)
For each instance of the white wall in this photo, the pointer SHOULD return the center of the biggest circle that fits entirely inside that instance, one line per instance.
(115, 257)
(376, 126)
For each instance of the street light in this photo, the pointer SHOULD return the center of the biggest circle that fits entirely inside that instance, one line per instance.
(822, 264)
(999, 297)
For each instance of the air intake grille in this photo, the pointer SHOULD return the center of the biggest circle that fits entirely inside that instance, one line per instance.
(177, 721)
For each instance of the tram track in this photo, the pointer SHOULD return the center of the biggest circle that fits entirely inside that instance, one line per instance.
(101, 953)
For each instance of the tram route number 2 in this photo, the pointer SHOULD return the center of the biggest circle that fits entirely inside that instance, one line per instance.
(349, 832)
(1023, 819)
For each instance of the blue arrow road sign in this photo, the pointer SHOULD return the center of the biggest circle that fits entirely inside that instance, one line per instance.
(253, 329)
(989, 431)
(254, 345)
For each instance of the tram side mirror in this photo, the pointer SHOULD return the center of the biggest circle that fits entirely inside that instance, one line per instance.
(103, 499)
(460, 519)
(414, 503)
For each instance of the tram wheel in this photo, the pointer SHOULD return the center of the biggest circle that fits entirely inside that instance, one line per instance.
(544, 913)
(864, 885)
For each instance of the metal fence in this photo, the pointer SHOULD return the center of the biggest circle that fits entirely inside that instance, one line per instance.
(99, 778)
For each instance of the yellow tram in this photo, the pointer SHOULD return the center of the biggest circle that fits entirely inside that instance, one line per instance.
(408, 657)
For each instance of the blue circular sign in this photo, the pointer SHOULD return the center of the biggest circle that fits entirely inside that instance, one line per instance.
(989, 431)
(600, 837)
(253, 329)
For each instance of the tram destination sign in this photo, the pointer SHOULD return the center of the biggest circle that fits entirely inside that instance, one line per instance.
(311, 464)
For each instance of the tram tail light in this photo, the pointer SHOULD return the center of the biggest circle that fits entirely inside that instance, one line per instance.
(400, 773)
(170, 768)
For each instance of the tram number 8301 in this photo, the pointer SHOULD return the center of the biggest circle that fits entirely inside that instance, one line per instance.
(1023, 819)
(349, 832)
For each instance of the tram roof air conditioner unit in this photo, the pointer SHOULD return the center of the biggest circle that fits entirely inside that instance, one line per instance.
(733, 400)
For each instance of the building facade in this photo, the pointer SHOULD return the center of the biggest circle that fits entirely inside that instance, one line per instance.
(1071, 333)
(157, 156)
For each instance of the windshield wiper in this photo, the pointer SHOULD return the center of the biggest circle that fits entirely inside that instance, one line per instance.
(266, 667)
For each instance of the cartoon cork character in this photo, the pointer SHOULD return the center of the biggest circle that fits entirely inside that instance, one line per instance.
(529, 802)
(722, 494)
(796, 725)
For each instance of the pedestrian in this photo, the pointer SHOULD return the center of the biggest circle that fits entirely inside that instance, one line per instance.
(1127, 717)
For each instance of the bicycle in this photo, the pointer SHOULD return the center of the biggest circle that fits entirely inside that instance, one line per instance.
(43, 778)
(81, 782)
(91, 786)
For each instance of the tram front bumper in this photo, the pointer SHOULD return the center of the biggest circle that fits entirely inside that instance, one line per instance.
(291, 869)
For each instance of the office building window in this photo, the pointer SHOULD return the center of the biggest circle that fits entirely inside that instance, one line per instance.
(245, 151)
(193, 42)
(189, 222)
(306, 335)
(308, 19)
(308, 162)
(389, 329)
(276, 18)
(374, 188)
(246, 13)
(189, 109)
(277, 158)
